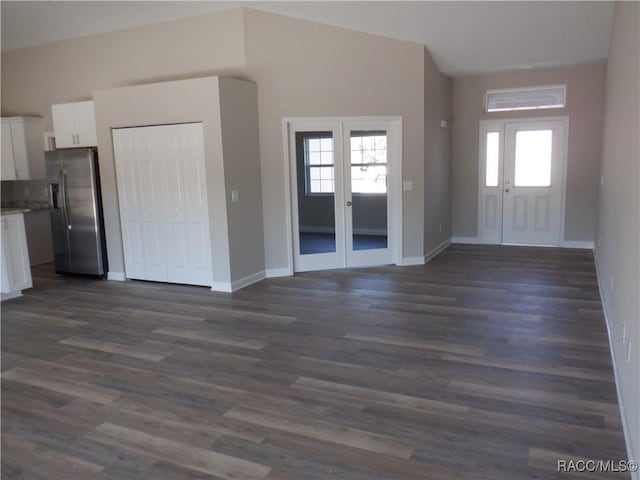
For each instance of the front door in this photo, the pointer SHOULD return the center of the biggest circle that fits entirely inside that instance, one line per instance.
(522, 166)
(342, 203)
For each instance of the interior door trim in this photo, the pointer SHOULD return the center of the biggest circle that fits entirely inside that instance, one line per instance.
(500, 125)
(394, 185)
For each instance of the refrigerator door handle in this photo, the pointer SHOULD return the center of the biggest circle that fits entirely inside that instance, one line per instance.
(54, 188)
(65, 204)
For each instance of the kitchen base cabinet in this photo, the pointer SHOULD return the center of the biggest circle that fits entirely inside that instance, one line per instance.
(37, 225)
(16, 271)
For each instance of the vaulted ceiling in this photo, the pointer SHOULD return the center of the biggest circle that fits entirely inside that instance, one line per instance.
(463, 37)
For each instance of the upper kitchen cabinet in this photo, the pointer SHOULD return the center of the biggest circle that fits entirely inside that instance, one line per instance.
(22, 152)
(74, 124)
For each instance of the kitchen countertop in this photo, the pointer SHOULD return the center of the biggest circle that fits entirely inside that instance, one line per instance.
(13, 211)
(23, 206)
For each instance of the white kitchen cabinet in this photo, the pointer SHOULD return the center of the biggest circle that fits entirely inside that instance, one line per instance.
(16, 271)
(74, 124)
(22, 153)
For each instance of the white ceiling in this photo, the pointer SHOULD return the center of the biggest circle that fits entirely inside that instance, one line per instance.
(463, 37)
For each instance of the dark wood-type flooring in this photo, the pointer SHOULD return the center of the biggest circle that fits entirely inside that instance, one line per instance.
(487, 363)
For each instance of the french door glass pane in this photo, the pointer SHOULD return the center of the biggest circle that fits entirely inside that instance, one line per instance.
(316, 187)
(533, 158)
(368, 172)
(492, 159)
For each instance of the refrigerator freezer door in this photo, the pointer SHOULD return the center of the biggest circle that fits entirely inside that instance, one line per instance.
(80, 203)
(59, 233)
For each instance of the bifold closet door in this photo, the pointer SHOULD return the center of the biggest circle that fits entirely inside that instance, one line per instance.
(163, 203)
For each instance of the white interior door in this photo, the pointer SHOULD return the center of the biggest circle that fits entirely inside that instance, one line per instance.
(342, 202)
(522, 182)
(163, 203)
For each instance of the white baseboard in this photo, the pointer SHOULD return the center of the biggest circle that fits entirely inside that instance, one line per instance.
(565, 244)
(117, 276)
(222, 287)
(9, 296)
(278, 272)
(577, 244)
(248, 280)
(436, 250)
(467, 240)
(236, 285)
(408, 261)
(625, 424)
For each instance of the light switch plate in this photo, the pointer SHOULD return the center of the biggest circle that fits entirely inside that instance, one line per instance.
(235, 195)
(407, 185)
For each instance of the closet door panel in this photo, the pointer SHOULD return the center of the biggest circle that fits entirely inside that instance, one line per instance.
(129, 197)
(164, 203)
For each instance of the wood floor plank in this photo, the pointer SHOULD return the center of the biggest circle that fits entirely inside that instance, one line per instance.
(385, 398)
(487, 363)
(327, 432)
(68, 387)
(194, 458)
(110, 347)
(212, 338)
(46, 462)
(422, 344)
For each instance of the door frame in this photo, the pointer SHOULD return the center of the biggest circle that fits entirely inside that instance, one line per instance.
(394, 184)
(499, 124)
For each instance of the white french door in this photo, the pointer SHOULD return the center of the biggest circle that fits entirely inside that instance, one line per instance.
(162, 193)
(344, 177)
(522, 181)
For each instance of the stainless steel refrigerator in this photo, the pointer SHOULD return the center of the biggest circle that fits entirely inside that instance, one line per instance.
(76, 211)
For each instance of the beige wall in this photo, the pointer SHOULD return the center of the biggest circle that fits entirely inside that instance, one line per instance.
(241, 152)
(618, 245)
(437, 154)
(301, 68)
(227, 109)
(152, 105)
(309, 69)
(585, 100)
(34, 78)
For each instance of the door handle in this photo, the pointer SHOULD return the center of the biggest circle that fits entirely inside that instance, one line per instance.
(349, 203)
(53, 195)
(65, 205)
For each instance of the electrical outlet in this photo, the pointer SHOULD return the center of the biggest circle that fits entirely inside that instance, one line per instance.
(440, 227)
(602, 181)
(27, 191)
(235, 196)
(611, 284)
(629, 352)
(624, 332)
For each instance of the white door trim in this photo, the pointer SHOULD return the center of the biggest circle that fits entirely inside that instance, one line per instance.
(500, 125)
(395, 173)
